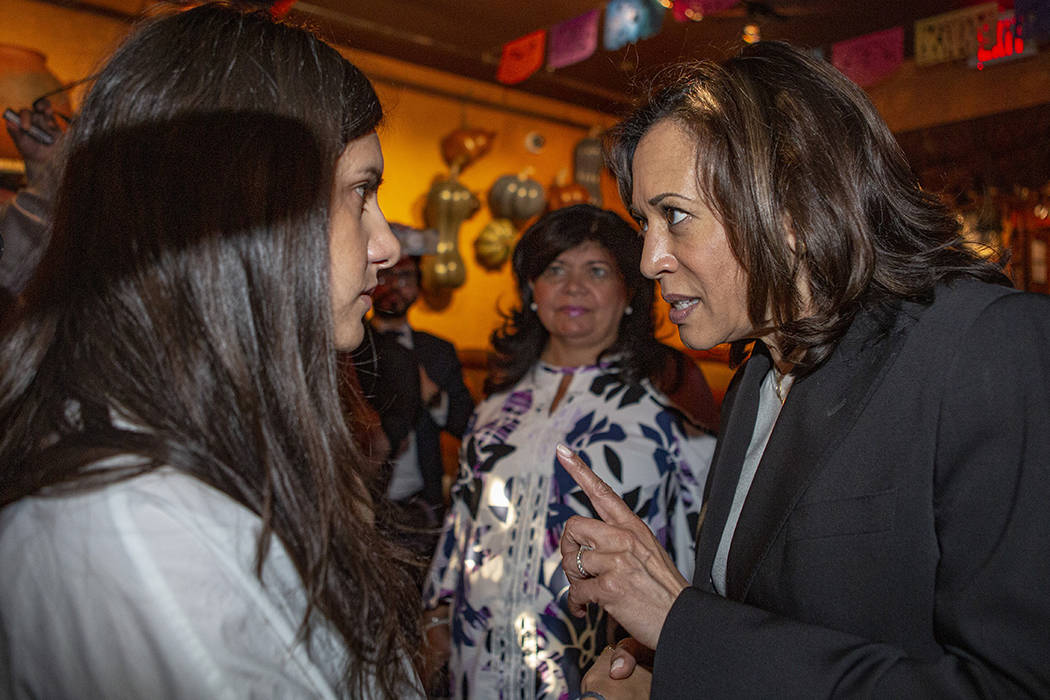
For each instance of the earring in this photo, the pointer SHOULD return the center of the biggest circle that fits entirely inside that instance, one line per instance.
(533, 306)
(628, 311)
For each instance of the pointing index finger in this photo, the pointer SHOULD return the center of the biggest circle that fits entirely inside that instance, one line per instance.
(609, 506)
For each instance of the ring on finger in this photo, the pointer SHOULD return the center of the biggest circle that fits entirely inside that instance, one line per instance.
(579, 560)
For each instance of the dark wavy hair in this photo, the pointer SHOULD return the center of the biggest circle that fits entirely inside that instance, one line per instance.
(522, 337)
(786, 142)
(186, 289)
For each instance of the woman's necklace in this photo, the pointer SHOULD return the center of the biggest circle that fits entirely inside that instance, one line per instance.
(778, 385)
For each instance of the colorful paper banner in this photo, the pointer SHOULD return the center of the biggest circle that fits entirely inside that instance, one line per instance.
(521, 58)
(868, 59)
(955, 35)
(629, 21)
(573, 40)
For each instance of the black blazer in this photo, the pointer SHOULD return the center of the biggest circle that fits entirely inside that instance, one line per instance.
(438, 357)
(390, 380)
(895, 542)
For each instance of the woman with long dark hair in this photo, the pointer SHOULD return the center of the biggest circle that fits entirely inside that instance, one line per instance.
(184, 512)
(876, 517)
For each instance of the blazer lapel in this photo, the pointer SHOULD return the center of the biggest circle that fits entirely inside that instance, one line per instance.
(820, 409)
(739, 411)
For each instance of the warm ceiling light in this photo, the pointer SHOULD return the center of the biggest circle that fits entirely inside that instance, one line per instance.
(752, 34)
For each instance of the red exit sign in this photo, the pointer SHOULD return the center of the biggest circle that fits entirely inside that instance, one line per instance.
(1009, 43)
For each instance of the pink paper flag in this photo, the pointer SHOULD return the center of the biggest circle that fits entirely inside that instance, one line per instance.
(521, 58)
(573, 40)
(868, 59)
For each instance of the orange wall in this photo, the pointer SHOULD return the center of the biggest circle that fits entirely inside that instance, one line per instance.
(414, 125)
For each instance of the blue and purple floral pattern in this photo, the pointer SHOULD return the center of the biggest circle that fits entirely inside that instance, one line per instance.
(497, 563)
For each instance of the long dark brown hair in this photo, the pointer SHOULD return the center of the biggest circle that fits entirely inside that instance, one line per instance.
(521, 338)
(786, 142)
(186, 290)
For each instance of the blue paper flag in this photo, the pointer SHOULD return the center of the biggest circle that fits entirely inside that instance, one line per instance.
(629, 21)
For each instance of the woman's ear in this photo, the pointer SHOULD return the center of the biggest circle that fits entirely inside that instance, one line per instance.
(794, 244)
(797, 246)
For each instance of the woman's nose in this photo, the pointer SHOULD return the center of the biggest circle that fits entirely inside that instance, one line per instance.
(656, 258)
(383, 246)
(574, 282)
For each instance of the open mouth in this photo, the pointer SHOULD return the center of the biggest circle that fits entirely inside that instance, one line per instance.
(681, 307)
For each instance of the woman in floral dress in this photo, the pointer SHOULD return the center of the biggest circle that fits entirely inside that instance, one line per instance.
(577, 363)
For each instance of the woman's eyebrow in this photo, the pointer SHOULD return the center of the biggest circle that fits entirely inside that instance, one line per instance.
(661, 197)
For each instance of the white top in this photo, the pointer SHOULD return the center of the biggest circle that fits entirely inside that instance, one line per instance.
(146, 589)
(769, 405)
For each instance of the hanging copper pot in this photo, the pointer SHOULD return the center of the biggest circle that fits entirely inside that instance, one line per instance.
(464, 146)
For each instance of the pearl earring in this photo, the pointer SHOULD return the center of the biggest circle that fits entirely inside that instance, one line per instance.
(628, 311)
(533, 306)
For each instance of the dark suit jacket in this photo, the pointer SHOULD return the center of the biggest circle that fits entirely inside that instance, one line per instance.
(438, 357)
(394, 393)
(895, 542)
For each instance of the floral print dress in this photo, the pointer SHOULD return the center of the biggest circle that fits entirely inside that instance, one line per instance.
(498, 563)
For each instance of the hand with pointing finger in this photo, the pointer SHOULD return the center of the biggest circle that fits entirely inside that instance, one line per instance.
(616, 562)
